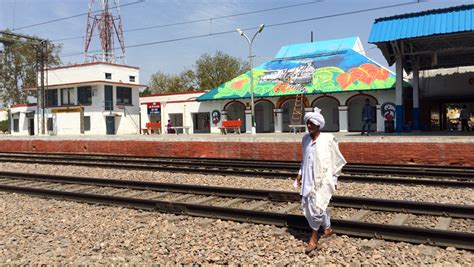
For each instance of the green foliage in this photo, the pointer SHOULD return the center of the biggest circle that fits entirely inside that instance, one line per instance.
(4, 126)
(209, 72)
(18, 67)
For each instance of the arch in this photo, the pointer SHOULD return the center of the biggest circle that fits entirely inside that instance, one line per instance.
(362, 94)
(264, 118)
(330, 110)
(283, 99)
(354, 111)
(323, 96)
(236, 110)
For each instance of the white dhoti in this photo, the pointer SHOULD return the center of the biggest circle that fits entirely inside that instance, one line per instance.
(314, 215)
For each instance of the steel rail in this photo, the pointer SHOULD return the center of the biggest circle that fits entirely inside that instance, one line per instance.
(228, 170)
(283, 165)
(354, 228)
(427, 208)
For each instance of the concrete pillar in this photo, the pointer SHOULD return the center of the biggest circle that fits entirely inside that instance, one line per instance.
(343, 120)
(380, 119)
(278, 113)
(248, 121)
(416, 100)
(399, 95)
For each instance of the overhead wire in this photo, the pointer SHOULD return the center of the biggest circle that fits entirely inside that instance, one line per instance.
(252, 28)
(204, 19)
(74, 16)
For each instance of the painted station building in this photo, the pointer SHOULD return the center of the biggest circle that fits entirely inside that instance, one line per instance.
(91, 99)
(334, 75)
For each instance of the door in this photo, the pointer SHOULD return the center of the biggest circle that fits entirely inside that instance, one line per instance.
(31, 126)
(110, 124)
(109, 98)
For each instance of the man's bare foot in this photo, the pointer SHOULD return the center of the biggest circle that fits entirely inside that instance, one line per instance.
(311, 246)
(327, 233)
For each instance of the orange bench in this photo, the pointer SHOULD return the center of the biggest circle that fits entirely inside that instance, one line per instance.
(232, 125)
(152, 127)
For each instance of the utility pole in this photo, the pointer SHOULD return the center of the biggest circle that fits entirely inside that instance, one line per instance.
(8, 38)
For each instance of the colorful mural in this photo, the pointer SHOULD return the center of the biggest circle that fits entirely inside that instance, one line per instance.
(308, 73)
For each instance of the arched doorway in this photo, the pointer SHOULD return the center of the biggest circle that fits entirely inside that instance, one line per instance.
(354, 110)
(330, 111)
(287, 113)
(264, 116)
(235, 111)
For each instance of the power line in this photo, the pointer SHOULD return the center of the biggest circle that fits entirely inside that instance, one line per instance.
(253, 28)
(74, 16)
(205, 19)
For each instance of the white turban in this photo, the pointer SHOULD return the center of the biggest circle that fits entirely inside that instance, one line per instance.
(315, 117)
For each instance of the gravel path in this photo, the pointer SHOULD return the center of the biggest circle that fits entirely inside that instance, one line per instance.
(400, 192)
(45, 231)
(37, 231)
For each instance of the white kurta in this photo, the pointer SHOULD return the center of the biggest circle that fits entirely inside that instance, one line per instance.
(321, 164)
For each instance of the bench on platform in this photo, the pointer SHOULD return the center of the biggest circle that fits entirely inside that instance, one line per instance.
(185, 129)
(231, 125)
(152, 127)
(297, 128)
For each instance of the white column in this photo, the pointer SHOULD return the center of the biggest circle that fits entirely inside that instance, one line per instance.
(248, 121)
(399, 95)
(416, 100)
(278, 113)
(380, 119)
(343, 126)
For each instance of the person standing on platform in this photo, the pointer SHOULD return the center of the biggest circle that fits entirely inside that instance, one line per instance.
(320, 166)
(169, 127)
(464, 117)
(367, 116)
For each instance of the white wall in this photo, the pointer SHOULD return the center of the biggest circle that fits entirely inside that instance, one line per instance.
(92, 72)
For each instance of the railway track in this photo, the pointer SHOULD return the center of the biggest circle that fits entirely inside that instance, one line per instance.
(259, 206)
(422, 175)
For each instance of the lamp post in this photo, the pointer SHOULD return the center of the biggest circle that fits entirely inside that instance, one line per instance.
(250, 41)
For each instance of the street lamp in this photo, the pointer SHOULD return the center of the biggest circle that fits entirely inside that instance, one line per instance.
(250, 41)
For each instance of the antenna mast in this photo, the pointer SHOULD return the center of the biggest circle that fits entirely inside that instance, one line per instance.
(107, 25)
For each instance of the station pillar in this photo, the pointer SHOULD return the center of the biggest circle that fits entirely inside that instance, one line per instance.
(416, 99)
(399, 95)
(343, 126)
(248, 121)
(278, 113)
(380, 119)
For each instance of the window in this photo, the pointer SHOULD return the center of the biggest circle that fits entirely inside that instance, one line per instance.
(131, 78)
(108, 76)
(67, 96)
(124, 95)
(50, 124)
(16, 125)
(84, 95)
(51, 98)
(87, 123)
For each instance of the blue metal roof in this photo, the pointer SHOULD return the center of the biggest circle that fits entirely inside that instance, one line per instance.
(431, 22)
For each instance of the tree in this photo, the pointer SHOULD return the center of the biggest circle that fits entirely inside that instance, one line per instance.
(212, 71)
(209, 72)
(18, 67)
(161, 82)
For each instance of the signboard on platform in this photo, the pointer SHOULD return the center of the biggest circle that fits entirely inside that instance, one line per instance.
(65, 110)
(153, 108)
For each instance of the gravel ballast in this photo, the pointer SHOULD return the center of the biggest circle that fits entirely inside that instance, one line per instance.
(37, 231)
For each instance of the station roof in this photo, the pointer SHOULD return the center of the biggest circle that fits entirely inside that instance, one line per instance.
(439, 38)
(426, 23)
(316, 68)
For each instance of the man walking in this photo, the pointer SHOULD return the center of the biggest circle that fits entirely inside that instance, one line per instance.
(367, 116)
(320, 166)
(464, 118)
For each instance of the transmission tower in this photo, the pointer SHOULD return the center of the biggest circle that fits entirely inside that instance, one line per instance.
(108, 24)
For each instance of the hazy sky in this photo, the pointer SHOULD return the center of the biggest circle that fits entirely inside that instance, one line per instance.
(174, 56)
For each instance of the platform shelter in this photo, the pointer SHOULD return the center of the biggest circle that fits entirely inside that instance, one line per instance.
(438, 45)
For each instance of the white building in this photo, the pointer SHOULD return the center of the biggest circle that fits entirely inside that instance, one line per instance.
(92, 99)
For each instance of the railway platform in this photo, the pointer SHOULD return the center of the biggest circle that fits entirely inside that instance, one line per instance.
(425, 148)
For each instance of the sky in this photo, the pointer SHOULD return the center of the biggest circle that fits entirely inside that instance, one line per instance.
(157, 48)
